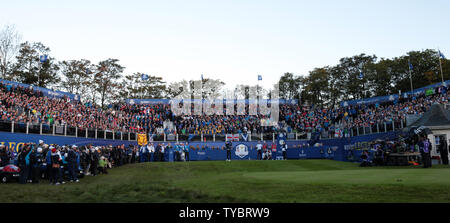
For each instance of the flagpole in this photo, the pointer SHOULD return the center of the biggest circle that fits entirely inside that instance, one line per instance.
(440, 65)
(410, 77)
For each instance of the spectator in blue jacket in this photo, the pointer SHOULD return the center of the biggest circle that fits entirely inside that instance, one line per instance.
(186, 151)
(72, 164)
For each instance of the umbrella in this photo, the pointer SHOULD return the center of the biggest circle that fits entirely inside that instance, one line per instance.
(379, 140)
(420, 130)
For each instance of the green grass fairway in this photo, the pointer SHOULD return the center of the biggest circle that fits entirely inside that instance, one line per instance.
(246, 181)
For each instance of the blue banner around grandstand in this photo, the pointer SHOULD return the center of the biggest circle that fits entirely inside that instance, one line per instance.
(342, 149)
(394, 97)
(47, 92)
(224, 101)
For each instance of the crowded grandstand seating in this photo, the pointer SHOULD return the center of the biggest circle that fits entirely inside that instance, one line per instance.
(24, 105)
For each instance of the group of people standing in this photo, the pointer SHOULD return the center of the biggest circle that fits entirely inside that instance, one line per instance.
(59, 163)
(151, 153)
(264, 152)
(419, 144)
(425, 147)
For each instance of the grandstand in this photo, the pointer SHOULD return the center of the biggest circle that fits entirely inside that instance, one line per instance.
(25, 109)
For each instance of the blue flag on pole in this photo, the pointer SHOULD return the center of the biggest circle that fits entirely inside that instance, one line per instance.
(43, 58)
(259, 78)
(410, 66)
(441, 55)
(144, 77)
(361, 75)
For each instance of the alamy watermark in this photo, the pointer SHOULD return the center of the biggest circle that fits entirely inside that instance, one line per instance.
(200, 100)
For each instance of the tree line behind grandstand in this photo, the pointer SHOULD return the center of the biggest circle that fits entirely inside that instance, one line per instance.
(105, 83)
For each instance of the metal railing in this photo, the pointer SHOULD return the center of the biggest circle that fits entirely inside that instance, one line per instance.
(68, 131)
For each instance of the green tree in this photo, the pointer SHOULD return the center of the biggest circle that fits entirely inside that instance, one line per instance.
(106, 81)
(29, 70)
(77, 76)
(153, 87)
(289, 86)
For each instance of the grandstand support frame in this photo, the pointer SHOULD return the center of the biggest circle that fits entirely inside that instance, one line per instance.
(30, 128)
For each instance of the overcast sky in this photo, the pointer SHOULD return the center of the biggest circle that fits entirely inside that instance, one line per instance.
(230, 40)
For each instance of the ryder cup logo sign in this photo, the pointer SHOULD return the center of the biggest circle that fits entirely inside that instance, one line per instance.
(302, 153)
(241, 151)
